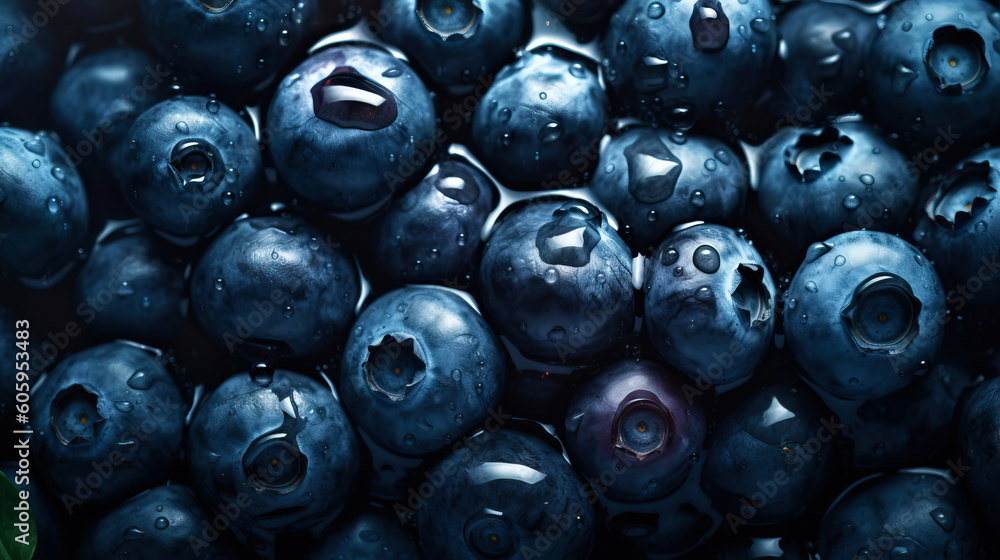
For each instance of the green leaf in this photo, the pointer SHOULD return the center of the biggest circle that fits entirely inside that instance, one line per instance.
(9, 548)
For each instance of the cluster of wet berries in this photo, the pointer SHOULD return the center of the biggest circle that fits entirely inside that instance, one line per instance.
(501, 279)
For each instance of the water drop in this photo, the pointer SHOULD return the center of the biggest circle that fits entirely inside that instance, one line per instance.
(867, 179)
(543, 96)
(262, 374)
(854, 381)
(140, 381)
(907, 26)
(669, 257)
(504, 115)
(655, 10)
(698, 199)
(124, 406)
(840, 260)
(704, 294)
(710, 164)
(161, 523)
(220, 284)
(36, 164)
(182, 127)
(760, 25)
(557, 334)
(133, 534)
(228, 198)
(53, 204)
(288, 312)
(706, 259)
(651, 215)
(576, 70)
(550, 133)
(393, 72)
(213, 106)
(551, 275)
(58, 173)
(943, 518)
(980, 227)
(811, 286)
(851, 201)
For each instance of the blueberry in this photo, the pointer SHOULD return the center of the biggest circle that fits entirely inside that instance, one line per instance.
(137, 287)
(557, 281)
(929, 71)
(654, 183)
(541, 120)
(165, 522)
(46, 512)
(8, 375)
(897, 510)
(822, 52)
(979, 422)
(633, 418)
(499, 492)
(673, 61)
(817, 182)
(43, 207)
(956, 223)
(112, 413)
(99, 97)
(349, 126)
(709, 303)
(32, 58)
(459, 44)
(913, 424)
(285, 456)
(275, 286)
(772, 449)
(432, 233)
(191, 164)
(372, 533)
(421, 367)
(228, 44)
(864, 312)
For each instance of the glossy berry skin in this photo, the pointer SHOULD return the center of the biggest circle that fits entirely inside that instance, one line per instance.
(496, 494)
(271, 452)
(911, 425)
(161, 523)
(709, 303)
(665, 59)
(635, 416)
(772, 450)
(821, 59)
(43, 207)
(190, 165)
(275, 286)
(458, 45)
(432, 233)
(131, 287)
(103, 408)
(979, 421)
(955, 226)
(541, 121)
(557, 281)
(349, 126)
(927, 516)
(32, 58)
(421, 357)
(372, 533)
(111, 87)
(230, 45)
(864, 312)
(818, 182)
(910, 76)
(653, 183)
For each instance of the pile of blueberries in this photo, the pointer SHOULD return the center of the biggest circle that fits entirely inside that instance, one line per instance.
(498, 279)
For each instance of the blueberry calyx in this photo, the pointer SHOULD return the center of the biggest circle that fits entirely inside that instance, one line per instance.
(642, 425)
(450, 19)
(956, 60)
(963, 194)
(350, 99)
(192, 161)
(883, 314)
(815, 153)
(75, 418)
(488, 536)
(751, 297)
(394, 366)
